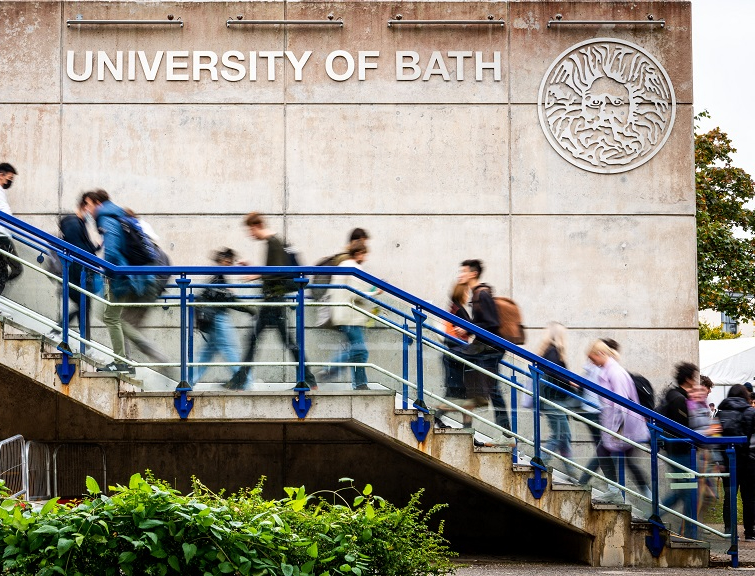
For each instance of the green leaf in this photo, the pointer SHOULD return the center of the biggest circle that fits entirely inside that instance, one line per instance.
(358, 500)
(367, 490)
(226, 568)
(46, 529)
(126, 557)
(64, 545)
(344, 568)
(173, 563)
(369, 511)
(287, 569)
(307, 567)
(135, 481)
(92, 486)
(345, 479)
(190, 550)
(49, 506)
(312, 551)
(366, 534)
(151, 523)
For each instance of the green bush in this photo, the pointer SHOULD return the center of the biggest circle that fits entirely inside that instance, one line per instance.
(149, 528)
(708, 332)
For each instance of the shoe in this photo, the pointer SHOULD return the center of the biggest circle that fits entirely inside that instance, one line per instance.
(749, 538)
(118, 367)
(611, 496)
(502, 440)
(237, 381)
(361, 387)
(440, 424)
(478, 444)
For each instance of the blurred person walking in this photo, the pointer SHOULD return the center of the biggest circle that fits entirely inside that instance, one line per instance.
(350, 322)
(484, 315)
(618, 419)
(121, 288)
(274, 289)
(73, 229)
(10, 269)
(218, 331)
(553, 348)
(737, 417)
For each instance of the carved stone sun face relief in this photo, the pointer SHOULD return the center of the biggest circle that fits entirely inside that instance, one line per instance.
(606, 106)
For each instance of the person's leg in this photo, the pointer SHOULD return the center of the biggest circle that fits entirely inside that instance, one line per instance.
(281, 323)
(631, 459)
(264, 318)
(112, 319)
(553, 420)
(225, 340)
(490, 363)
(15, 267)
(606, 463)
(358, 354)
(208, 351)
(747, 490)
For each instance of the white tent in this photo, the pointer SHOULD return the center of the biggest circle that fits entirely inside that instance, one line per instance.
(727, 362)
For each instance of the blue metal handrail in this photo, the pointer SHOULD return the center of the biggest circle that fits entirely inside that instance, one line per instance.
(414, 324)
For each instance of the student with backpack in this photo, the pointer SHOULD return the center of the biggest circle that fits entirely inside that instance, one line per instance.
(217, 329)
(274, 289)
(737, 417)
(484, 315)
(358, 236)
(120, 233)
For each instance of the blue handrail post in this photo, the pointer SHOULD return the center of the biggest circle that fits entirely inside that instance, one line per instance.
(65, 369)
(181, 400)
(190, 322)
(695, 492)
(420, 426)
(514, 416)
(622, 473)
(655, 543)
(83, 307)
(405, 366)
(733, 551)
(537, 484)
(300, 402)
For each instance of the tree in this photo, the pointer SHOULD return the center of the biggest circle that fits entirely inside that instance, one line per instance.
(725, 228)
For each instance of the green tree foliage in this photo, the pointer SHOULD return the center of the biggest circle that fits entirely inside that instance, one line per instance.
(708, 332)
(148, 528)
(725, 228)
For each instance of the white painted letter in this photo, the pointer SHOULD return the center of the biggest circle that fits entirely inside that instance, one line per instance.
(298, 64)
(252, 66)
(436, 66)
(349, 65)
(401, 65)
(363, 64)
(87, 66)
(104, 60)
(209, 66)
(271, 55)
(172, 65)
(495, 65)
(233, 66)
(150, 72)
(460, 55)
(132, 65)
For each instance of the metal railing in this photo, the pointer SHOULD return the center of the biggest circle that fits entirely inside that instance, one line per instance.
(13, 469)
(412, 322)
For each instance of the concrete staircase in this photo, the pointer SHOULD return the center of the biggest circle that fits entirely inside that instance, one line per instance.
(607, 534)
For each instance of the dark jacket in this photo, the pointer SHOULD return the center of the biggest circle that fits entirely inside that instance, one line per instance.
(275, 286)
(551, 354)
(484, 310)
(676, 410)
(732, 409)
(74, 231)
(462, 313)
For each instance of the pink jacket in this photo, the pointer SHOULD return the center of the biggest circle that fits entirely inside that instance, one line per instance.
(617, 418)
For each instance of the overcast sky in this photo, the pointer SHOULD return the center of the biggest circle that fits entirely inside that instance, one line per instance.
(723, 47)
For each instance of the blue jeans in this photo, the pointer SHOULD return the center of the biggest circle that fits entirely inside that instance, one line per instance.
(357, 352)
(220, 340)
(560, 438)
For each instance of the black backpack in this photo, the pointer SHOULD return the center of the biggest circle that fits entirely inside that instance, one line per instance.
(139, 248)
(732, 422)
(645, 393)
(204, 316)
(320, 293)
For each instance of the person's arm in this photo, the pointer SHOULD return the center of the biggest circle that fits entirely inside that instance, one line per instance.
(112, 240)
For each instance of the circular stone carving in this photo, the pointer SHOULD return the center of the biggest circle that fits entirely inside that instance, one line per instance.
(606, 105)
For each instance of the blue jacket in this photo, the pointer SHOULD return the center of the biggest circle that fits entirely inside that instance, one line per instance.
(109, 218)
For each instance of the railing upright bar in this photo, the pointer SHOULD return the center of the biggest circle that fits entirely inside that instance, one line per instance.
(405, 367)
(421, 426)
(734, 549)
(301, 284)
(622, 473)
(181, 400)
(514, 415)
(695, 491)
(190, 335)
(83, 307)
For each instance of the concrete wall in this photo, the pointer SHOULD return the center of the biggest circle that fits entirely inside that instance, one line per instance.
(437, 171)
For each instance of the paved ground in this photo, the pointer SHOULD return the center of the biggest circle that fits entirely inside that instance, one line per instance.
(514, 567)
